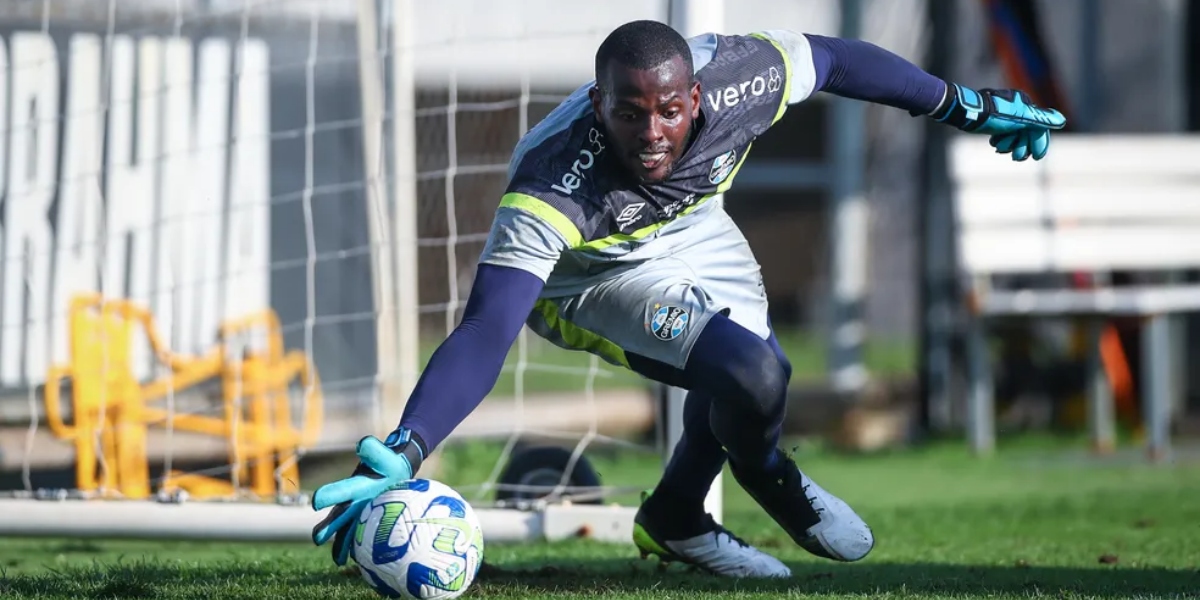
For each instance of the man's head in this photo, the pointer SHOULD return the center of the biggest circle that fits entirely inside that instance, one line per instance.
(646, 96)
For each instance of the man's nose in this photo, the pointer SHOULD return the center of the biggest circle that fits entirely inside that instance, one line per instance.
(651, 132)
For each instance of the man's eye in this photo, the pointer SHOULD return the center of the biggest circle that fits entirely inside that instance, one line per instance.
(627, 116)
(672, 113)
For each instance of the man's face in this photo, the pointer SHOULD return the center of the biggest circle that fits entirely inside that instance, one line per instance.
(648, 115)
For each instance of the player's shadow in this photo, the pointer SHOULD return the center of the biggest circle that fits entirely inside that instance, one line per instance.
(151, 578)
(620, 576)
(600, 577)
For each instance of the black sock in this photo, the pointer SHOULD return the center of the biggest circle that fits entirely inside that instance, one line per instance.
(675, 517)
(698, 457)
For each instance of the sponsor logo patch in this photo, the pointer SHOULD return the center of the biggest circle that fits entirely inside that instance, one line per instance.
(762, 84)
(722, 166)
(573, 178)
(668, 322)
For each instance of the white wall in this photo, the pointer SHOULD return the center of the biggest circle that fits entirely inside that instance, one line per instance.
(482, 42)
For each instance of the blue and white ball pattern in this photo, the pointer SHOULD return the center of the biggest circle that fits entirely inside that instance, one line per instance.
(420, 539)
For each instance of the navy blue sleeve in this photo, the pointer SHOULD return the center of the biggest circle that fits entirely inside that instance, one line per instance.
(465, 367)
(864, 71)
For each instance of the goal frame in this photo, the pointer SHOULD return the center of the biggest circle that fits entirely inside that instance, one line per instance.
(278, 522)
(392, 214)
(689, 17)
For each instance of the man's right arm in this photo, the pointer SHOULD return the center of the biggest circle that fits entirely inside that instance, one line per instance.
(526, 240)
(521, 251)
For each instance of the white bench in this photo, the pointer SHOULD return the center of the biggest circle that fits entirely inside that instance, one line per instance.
(1095, 204)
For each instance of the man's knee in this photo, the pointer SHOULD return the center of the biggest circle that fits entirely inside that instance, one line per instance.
(736, 366)
(761, 376)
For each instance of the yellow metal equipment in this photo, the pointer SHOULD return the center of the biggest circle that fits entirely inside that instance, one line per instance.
(112, 412)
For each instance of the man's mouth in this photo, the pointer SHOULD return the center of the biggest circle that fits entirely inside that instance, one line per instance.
(651, 160)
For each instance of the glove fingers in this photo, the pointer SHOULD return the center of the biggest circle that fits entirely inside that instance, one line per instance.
(339, 550)
(378, 458)
(343, 541)
(382, 459)
(1051, 118)
(335, 520)
(1024, 144)
(1040, 144)
(379, 468)
(357, 487)
(1021, 148)
(1004, 143)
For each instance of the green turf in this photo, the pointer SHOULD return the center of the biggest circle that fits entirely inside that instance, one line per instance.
(1037, 521)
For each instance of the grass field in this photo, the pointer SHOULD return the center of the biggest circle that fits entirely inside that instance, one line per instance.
(1039, 520)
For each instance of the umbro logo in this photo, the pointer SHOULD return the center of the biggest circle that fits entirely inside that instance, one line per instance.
(629, 214)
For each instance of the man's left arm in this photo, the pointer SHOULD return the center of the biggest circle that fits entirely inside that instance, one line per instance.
(863, 71)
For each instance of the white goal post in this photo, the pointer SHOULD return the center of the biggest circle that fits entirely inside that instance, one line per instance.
(258, 522)
(693, 17)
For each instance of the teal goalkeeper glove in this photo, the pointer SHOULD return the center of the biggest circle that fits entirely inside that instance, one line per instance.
(382, 465)
(1016, 125)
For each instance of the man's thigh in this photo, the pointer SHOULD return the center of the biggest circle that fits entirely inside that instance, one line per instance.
(728, 272)
(658, 309)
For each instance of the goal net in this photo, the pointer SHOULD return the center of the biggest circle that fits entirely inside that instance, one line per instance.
(234, 231)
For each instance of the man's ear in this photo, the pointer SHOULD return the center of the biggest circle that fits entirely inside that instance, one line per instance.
(696, 100)
(597, 99)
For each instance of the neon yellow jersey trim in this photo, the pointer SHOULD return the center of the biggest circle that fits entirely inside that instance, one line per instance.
(787, 80)
(578, 337)
(547, 213)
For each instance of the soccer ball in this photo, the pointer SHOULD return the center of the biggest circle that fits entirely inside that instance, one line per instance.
(419, 540)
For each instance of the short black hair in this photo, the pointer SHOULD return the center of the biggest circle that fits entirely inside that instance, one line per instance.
(643, 45)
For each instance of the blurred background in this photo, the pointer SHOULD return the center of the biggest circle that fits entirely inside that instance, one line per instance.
(209, 160)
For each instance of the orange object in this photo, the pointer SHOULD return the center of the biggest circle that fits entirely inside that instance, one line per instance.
(1116, 365)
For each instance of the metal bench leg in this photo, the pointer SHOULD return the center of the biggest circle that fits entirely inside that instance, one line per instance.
(981, 421)
(1100, 417)
(1156, 401)
(1179, 360)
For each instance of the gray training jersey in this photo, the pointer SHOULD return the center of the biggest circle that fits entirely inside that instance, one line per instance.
(570, 218)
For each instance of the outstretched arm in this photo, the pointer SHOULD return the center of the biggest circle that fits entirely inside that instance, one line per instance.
(465, 367)
(461, 372)
(863, 71)
(520, 254)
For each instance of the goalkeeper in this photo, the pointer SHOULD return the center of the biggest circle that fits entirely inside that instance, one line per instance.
(607, 240)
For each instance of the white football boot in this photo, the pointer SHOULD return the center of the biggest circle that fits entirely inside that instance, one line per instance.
(818, 521)
(717, 551)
